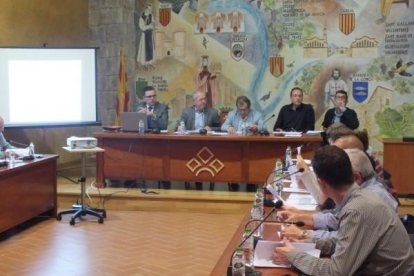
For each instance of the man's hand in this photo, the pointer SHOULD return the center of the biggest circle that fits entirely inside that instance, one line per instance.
(280, 254)
(252, 128)
(231, 130)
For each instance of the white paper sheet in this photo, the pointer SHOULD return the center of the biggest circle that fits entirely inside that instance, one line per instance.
(264, 252)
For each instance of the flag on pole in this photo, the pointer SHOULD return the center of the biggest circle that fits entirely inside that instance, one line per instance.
(122, 101)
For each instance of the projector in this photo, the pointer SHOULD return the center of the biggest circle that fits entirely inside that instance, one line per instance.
(81, 142)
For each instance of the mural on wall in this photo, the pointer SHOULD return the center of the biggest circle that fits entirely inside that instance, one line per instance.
(264, 48)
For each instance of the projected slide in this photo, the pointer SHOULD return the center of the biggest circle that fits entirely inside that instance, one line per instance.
(47, 87)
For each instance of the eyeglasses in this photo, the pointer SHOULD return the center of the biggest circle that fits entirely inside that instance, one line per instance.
(151, 96)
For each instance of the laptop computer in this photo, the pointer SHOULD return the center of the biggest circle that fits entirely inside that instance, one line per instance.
(130, 120)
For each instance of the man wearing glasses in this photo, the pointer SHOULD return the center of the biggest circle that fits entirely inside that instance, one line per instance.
(157, 113)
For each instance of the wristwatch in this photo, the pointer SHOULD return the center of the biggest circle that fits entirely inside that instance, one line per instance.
(304, 234)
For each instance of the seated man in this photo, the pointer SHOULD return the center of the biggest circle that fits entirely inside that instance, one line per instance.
(4, 145)
(296, 116)
(243, 115)
(326, 223)
(340, 113)
(252, 120)
(157, 118)
(371, 239)
(157, 113)
(199, 116)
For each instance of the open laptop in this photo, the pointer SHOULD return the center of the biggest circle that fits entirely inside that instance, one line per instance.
(130, 120)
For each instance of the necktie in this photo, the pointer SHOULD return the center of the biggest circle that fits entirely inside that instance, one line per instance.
(150, 108)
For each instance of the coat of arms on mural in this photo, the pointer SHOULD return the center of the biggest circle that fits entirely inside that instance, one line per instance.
(347, 22)
(277, 65)
(164, 13)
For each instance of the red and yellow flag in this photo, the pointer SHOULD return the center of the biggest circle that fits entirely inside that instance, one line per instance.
(122, 101)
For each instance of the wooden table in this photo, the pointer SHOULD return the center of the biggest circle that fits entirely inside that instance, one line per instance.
(28, 189)
(399, 162)
(212, 158)
(269, 233)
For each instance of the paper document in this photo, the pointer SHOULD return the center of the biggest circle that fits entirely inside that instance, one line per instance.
(314, 132)
(20, 152)
(220, 133)
(264, 251)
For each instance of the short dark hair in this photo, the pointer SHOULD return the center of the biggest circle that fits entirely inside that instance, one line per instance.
(243, 99)
(332, 164)
(148, 88)
(295, 88)
(342, 92)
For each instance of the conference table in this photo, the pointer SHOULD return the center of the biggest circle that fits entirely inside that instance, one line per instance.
(28, 189)
(194, 157)
(270, 232)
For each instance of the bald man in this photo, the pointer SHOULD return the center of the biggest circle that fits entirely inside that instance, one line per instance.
(4, 145)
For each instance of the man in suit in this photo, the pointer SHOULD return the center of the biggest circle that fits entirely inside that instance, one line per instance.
(295, 116)
(199, 116)
(340, 113)
(157, 113)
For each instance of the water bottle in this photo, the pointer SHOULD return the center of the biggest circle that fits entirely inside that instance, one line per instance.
(31, 149)
(257, 215)
(288, 157)
(278, 175)
(243, 129)
(141, 127)
(181, 128)
(237, 263)
(259, 199)
(248, 248)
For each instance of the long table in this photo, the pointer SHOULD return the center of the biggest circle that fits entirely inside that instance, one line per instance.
(213, 158)
(28, 189)
(269, 233)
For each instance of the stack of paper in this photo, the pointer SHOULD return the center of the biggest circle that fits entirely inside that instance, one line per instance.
(264, 252)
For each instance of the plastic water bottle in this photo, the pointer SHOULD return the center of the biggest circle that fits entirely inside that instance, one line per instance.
(257, 215)
(248, 248)
(31, 149)
(259, 199)
(288, 157)
(181, 128)
(141, 127)
(278, 175)
(243, 129)
(237, 263)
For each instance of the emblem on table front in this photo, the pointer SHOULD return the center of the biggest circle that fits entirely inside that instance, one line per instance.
(205, 161)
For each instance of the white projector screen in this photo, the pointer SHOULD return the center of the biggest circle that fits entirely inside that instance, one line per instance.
(48, 86)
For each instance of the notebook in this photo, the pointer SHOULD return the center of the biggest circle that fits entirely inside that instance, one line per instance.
(130, 120)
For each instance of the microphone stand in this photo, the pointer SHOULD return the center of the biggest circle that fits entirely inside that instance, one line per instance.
(264, 131)
(269, 202)
(249, 270)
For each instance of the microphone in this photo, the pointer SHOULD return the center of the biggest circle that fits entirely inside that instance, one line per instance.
(298, 223)
(264, 131)
(269, 202)
(249, 270)
(301, 170)
(17, 143)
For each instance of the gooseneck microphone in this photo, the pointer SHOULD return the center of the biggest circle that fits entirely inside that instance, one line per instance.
(250, 271)
(17, 143)
(264, 131)
(269, 202)
(301, 170)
